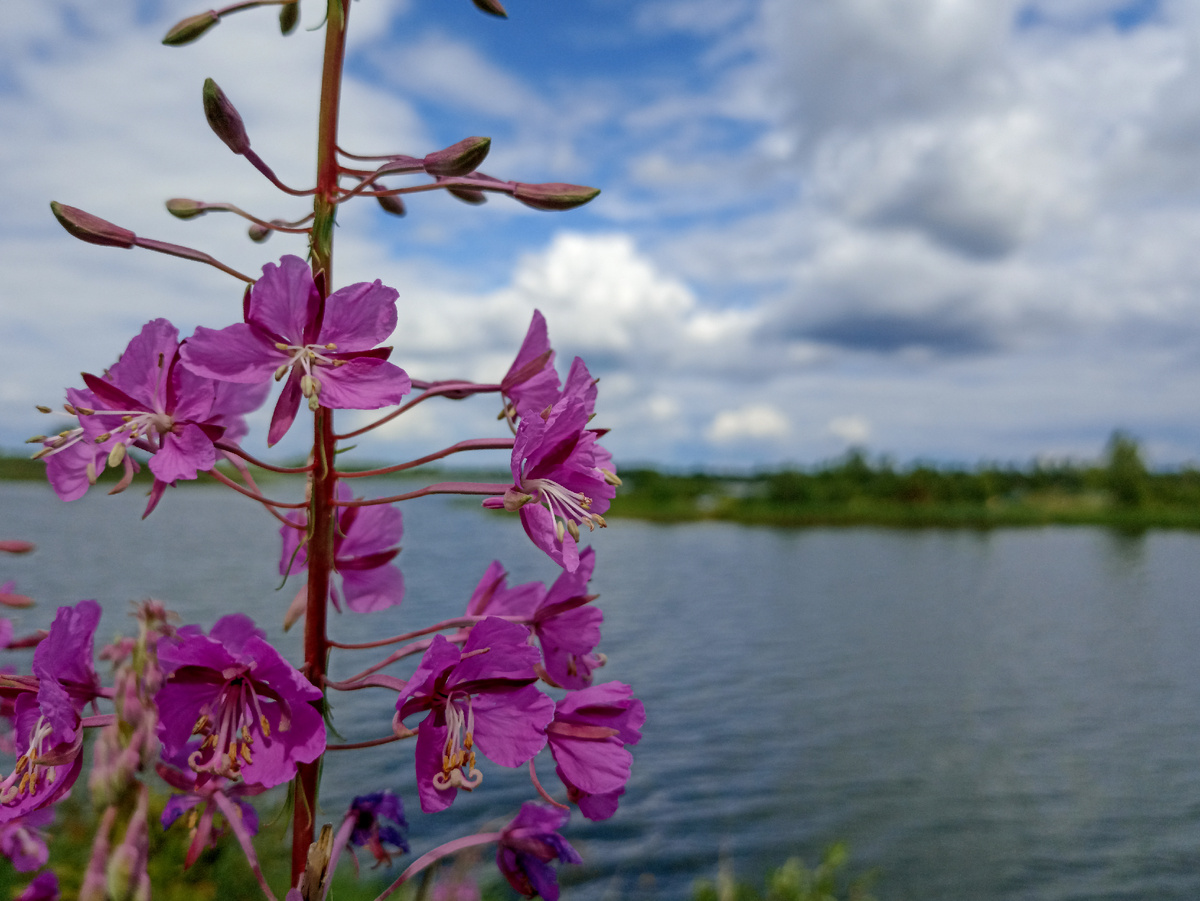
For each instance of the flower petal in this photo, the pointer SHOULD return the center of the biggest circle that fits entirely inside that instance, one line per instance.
(284, 300)
(363, 383)
(359, 316)
(236, 353)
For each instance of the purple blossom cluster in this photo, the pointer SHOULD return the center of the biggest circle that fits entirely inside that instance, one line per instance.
(219, 715)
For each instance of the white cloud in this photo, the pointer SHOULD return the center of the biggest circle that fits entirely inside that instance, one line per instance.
(850, 429)
(756, 422)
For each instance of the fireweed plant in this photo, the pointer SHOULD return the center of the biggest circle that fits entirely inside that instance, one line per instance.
(220, 715)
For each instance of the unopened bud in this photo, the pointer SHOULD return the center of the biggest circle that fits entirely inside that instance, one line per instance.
(258, 233)
(182, 208)
(289, 17)
(491, 7)
(467, 195)
(224, 119)
(120, 877)
(458, 159)
(16, 546)
(191, 28)
(392, 203)
(514, 500)
(92, 229)
(554, 196)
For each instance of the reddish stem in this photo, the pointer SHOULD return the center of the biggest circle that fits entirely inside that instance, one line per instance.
(265, 501)
(322, 513)
(472, 444)
(436, 390)
(234, 449)
(440, 488)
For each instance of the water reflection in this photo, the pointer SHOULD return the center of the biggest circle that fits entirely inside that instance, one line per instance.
(986, 715)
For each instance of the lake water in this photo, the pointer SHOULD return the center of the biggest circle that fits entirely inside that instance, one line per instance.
(988, 716)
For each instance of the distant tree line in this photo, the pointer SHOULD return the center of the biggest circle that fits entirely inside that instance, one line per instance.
(855, 488)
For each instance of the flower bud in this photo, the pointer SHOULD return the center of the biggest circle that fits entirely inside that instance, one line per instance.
(392, 204)
(458, 159)
(224, 119)
(92, 229)
(554, 196)
(16, 546)
(191, 28)
(182, 208)
(491, 7)
(289, 17)
(468, 195)
(258, 233)
(119, 876)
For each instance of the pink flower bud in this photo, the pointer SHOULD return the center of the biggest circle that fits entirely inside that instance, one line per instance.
(182, 208)
(15, 546)
(92, 229)
(191, 28)
(467, 195)
(392, 204)
(554, 196)
(458, 159)
(491, 7)
(289, 17)
(224, 119)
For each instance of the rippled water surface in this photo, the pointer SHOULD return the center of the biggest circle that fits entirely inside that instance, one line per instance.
(1003, 715)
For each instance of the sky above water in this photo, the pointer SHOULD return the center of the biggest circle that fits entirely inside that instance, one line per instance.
(942, 229)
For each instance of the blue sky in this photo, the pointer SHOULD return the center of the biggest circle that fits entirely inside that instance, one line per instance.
(941, 229)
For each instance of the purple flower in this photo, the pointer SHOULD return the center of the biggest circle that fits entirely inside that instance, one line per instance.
(370, 831)
(493, 596)
(588, 737)
(49, 730)
(364, 544)
(251, 708)
(482, 695)
(528, 844)
(566, 627)
(24, 843)
(196, 798)
(43, 888)
(327, 345)
(146, 400)
(557, 483)
(531, 381)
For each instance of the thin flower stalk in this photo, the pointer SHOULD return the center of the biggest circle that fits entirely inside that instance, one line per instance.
(457, 390)
(460, 447)
(438, 488)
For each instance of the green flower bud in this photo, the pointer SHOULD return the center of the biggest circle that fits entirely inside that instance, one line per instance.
(183, 208)
(458, 159)
(224, 119)
(119, 876)
(554, 196)
(92, 229)
(191, 28)
(289, 17)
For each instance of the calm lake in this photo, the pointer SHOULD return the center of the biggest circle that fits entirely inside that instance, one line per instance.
(983, 716)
